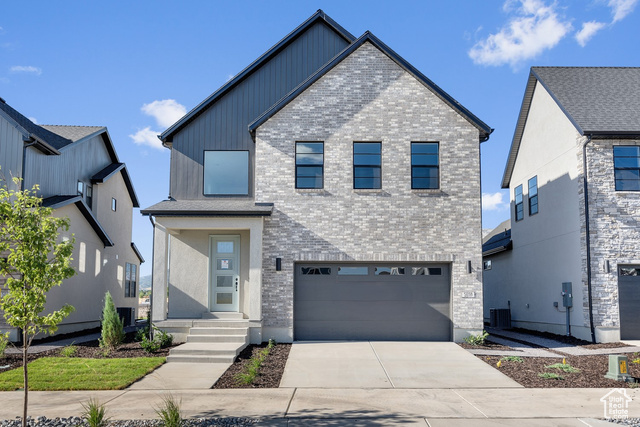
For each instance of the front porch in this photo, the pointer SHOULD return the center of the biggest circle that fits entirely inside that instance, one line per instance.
(209, 270)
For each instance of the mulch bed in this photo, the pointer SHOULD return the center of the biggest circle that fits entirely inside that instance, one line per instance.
(270, 372)
(488, 345)
(591, 375)
(91, 350)
(569, 340)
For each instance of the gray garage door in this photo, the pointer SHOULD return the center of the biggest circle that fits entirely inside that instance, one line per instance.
(373, 301)
(629, 301)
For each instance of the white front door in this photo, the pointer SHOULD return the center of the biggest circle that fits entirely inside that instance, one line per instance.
(224, 264)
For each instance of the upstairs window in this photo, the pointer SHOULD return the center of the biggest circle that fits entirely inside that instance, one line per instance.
(367, 163)
(518, 203)
(309, 164)
(89, 196)
(80, 188)
(626, 162)
(130, 282)
(424, 165)
(114, 204)
(226, 173)
(533, 196)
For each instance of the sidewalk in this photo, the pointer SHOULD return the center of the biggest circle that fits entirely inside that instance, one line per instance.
(338, 407)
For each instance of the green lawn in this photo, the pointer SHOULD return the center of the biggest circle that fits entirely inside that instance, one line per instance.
(70, 373)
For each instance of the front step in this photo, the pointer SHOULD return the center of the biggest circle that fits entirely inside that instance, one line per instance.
(223, 315)
(212, 341)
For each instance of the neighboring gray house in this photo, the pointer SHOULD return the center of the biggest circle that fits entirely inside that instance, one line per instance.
(328, 191)
(81, 178)
(572, 118)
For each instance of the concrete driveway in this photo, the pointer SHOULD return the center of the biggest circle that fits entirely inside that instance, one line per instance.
(375, 364)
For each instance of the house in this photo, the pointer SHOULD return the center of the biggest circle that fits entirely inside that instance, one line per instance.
(568, 227)
(80, 177)
(328, 191)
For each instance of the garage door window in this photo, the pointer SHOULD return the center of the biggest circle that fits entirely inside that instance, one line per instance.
(389, 271)
(307, 271)
(426, 271)
(630, 271)
(353, 271)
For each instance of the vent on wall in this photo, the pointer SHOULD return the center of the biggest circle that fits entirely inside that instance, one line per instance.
(500, 317)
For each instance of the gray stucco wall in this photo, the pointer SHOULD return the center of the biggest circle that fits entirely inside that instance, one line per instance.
(368, 97)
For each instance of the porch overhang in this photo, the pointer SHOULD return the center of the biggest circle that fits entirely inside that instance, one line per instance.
(209, 208)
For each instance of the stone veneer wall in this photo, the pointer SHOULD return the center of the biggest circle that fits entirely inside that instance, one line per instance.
(614, 231)
(368, 97)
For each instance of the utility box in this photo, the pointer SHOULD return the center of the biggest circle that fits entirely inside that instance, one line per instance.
(618, 368)
(500, 318)
(567, 294)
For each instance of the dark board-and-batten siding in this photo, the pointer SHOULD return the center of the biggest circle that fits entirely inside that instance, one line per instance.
(223, 126)
(11, 144)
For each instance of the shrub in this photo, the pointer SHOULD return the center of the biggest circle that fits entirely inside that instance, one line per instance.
(169, 412)
(69, 351)
(551, 376)
(144, 332)
(477, 339)
(95, 413)
(512, 359)
(563, 367)
(162, 337)
(112, 329)
(150, 346)
(4, 342)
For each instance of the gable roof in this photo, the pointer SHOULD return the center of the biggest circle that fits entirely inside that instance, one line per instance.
(598, 101)
(56, 202)
(498, 240)
(482, 127)
(319, 16)
(74, 133)
(111, 170)
(45, 140)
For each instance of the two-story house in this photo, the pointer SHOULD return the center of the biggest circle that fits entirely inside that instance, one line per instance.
(574, 177)
(80, 177)
(328, 191)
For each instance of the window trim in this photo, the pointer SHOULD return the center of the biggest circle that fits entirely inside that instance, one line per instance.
(516, 204)
(437, 143)
(615, 169)
(247, 194)
(295, 165)
(536, 195)
(353, 164)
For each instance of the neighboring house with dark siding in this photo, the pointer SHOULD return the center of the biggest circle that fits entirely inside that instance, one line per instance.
(573, 118)
(328, 191)
(80, 177)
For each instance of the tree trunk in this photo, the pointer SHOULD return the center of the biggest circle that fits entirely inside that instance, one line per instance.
(25, 347)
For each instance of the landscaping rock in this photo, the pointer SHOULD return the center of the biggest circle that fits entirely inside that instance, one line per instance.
(76, 421)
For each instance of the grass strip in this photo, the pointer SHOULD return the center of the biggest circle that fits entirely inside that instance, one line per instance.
(62, 373)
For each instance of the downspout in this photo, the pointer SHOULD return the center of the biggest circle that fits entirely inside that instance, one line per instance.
(587, 236)
(153, 248)
(24, 162)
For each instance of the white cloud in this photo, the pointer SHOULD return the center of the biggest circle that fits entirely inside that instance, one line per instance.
(621, 8)
(493, 202)
(589, 29)
(166, 112)
(147, 137)
(29, 69)
(535, 28)
(33, 119)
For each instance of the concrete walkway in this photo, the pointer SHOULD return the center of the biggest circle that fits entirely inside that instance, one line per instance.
(401, 365)
(343, 407)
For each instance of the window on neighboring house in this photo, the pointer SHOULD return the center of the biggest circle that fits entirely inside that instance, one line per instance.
(486, 265)
(130, 280)
(424, 165)
(89, 196)
(533, 196)
(367, 162)
(518, 203)
(309, 164)
(113, 204)
(81, 188)
(226, 173)
(626, 162)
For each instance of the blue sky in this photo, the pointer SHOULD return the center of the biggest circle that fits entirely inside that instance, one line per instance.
(137, 66)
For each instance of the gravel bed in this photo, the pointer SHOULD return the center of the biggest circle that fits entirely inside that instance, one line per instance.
(633, 422)
(77, 421)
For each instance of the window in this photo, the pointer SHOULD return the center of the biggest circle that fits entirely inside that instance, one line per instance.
(389, 271)
(130, 280)
(367, 163)
(518, 202)
(80, 188)
(533, 196)
(89, 196)
(353, 271)
(426, 271)
(226, 173)
(424, 165)
(626, 162)
(629, 271)
(309, 164)
(113, 204)
(486, 265)
(324, 271)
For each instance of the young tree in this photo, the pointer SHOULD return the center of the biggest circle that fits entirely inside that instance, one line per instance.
(112, 328)
(34, 261)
